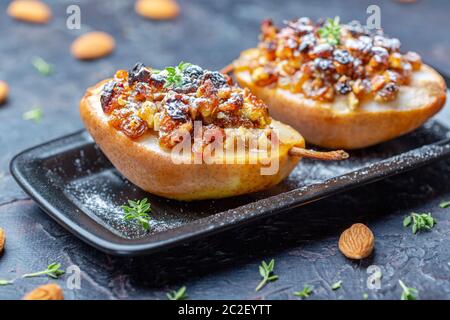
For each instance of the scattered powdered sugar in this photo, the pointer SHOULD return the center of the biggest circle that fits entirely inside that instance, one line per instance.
(98, 196)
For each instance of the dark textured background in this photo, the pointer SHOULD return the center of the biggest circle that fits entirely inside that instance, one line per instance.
(303, 242)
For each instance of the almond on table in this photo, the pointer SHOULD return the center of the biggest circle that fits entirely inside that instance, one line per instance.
(32, 11)
(4, 91)
(93, 45)
(357, 242)
(157, 9)
(46, 292)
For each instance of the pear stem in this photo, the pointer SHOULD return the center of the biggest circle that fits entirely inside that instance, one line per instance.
(318, 155)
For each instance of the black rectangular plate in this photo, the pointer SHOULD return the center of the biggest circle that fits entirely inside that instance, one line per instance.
(76, 185)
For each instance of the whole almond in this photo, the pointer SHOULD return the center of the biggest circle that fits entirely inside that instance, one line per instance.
(46, 292)
(92, 45)
(356, 242)
(2, 240)
(4, 91)
(30, 11)
(157, 9)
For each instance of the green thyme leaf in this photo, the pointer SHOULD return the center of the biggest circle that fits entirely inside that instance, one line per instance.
(42, 66)
(179, 294)
(266, 272)
(4, 282)
(138, 211)
(419, 221)
(34, 114)
(53, 271)
(174, 75)
(305, 293)
(407, 221)
(336, 285)
(408, 293)
(331, 31)
(444, 204)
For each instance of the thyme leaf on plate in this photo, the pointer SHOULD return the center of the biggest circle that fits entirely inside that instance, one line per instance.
(138, 211)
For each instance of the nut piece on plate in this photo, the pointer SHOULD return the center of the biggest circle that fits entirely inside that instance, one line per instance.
(157, 9)
(2, 240)
(4, 91)
(46, 292)
(93, 45)
(356, 242)
(32, 11)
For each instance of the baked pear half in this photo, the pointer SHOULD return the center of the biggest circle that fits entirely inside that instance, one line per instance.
(186, 133)
(341, 86)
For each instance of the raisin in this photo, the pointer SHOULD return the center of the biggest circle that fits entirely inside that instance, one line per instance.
(307, 42)
(133, 127)
(194, 72)
(107, 95)
(388, 92)
(157, 81)
(342, 56)
(343, 88)
(176, 109)
(216, 78)
(323, 65)
(138, 74)
(118, 116)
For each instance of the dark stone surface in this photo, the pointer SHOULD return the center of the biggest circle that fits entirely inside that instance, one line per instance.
(303, 242)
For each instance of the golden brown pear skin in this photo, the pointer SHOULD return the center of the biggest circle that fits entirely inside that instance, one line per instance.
(335, 126)
(151, 168)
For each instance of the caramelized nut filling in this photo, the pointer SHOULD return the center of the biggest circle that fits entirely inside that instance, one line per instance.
(325, 59)
(169, 101)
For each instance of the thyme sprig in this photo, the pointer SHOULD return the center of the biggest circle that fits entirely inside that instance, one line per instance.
(444, 204)
(419, 222)
(42, 66)
(266, 272)
(4, 282)
(34, 114)
(138, 211)
(53, 271)
(179, 294)
(174, 75)
(331, 31)
(336, 285)
(305, 293)
(408, 293)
